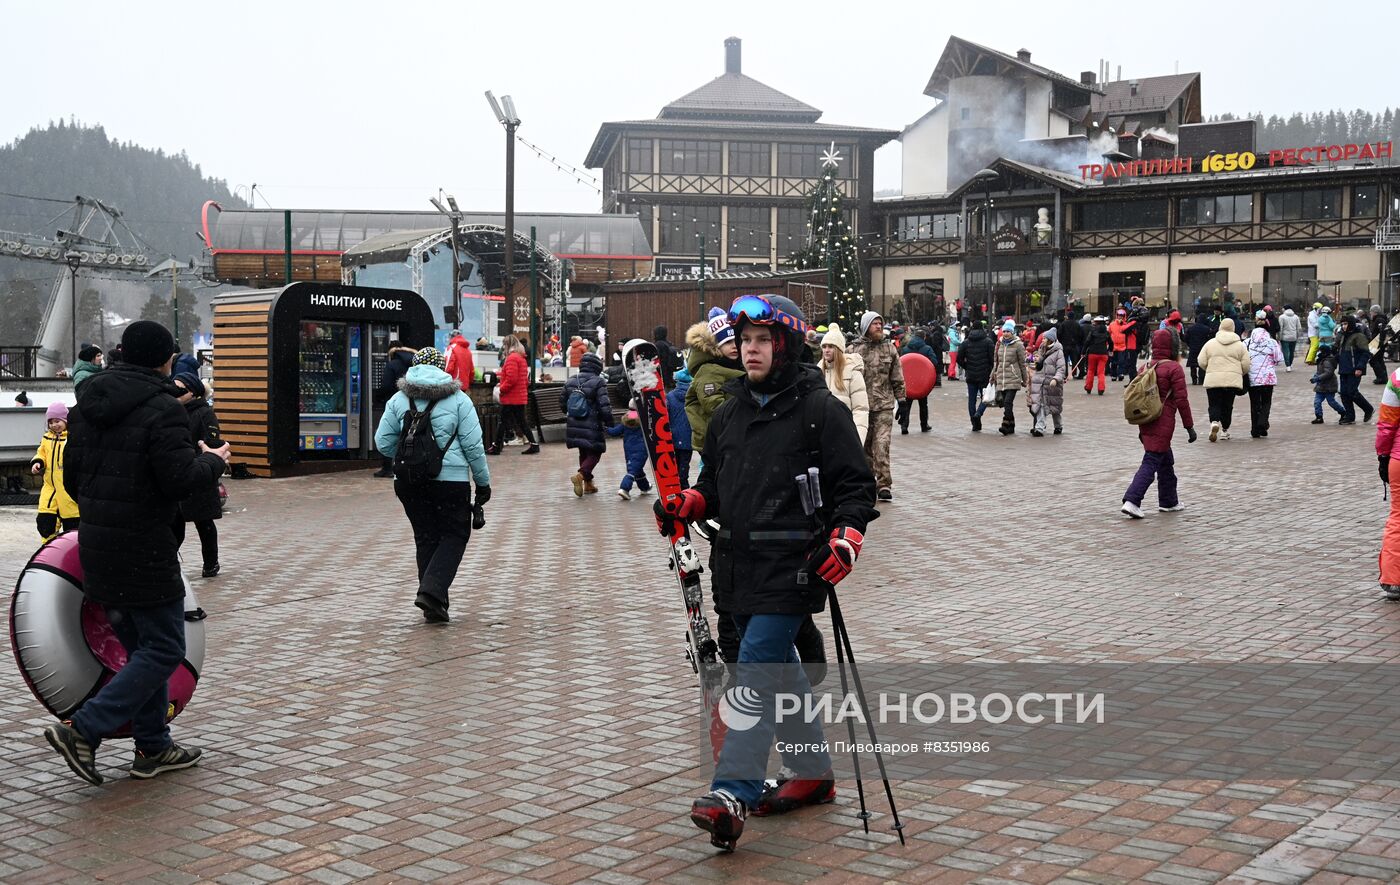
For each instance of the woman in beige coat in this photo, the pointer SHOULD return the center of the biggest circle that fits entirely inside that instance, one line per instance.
(1225, 360)
(845, 378)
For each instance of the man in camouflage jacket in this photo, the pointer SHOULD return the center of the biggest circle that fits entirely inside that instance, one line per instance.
(884, 385)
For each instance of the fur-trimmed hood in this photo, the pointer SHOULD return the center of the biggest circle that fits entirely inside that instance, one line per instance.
(428, 382)
(704, 349)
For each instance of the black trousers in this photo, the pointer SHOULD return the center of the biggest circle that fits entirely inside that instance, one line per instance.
(441, 515)
(906, 406)
(208, 539)
(1378, 366)
(48, 525)
(1221, 401)
(1261, 399)
(513, 418)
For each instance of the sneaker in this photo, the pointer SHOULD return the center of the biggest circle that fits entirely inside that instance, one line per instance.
(211, 571)
(1288, 368)
(1036, 431)
(1346, 421)
(1214, 430)
(578, 485)
(1318, 420)
(1059, 430)
(1391, 591)
(1131, 509)
(1177, 508)
(532, 450)
(172, 758)
(434, 612)
(1224, 434)
(75, 750)
(623, 494)
(789, 793)
(643, 490)
(722, 816)
(885, 495)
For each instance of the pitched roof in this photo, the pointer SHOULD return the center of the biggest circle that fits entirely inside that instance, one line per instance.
(738, 96)
(1153, 94)
(962, 58)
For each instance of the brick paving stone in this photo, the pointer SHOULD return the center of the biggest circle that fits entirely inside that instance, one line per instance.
(546, 734)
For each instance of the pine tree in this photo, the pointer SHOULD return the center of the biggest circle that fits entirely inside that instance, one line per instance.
(831, 243)
(157, 308)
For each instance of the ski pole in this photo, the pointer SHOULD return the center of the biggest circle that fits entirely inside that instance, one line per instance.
(838, 624)
(836, 627)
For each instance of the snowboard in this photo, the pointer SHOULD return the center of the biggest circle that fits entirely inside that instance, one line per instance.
(644, 378)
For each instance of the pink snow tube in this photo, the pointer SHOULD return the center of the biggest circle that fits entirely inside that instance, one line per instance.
(63, 644)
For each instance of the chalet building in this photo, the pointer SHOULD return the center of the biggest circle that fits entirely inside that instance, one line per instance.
(732, 162)
(1026, 189)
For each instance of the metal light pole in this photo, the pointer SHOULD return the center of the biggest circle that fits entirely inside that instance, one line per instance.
(534, 308)
(986, 176)
(702, 276)
(73, 258)
(454, 215)
(510, 120)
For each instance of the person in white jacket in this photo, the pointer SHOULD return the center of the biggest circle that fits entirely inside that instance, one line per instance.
(1313, 339)
(845, 378)
(1290, 329)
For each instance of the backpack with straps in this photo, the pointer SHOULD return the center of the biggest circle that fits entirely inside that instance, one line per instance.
(419, 458)
(578, 405)
(1142, 403)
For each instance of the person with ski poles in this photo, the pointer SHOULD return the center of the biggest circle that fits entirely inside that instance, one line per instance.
(782, 546)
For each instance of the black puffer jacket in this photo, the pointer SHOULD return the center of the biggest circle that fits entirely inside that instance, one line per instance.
(1197, 334)
(975, 357)
(667, 356)
(1070, 333)
(400, 361)
(129, 462)
(587, 433)
(203, 503)
(1097, 341)
(752, 453)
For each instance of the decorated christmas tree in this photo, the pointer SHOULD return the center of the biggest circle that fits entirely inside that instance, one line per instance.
(831, 245)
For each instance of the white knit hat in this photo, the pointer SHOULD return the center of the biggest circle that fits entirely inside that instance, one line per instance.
(834, 336)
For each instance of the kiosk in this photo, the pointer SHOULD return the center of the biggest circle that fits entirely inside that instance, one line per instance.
(297, 370)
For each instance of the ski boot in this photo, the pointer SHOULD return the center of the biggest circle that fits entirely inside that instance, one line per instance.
(722, 816)
(789, 793)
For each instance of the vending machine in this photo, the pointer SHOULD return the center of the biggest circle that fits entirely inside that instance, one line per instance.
(329, 386)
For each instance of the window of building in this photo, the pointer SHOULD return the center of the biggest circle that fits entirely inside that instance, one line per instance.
(1123, 284)
(799, 160)
(1206, 285)
(749, 234)
(639, 155)
(1228, 209)
(690, 157)
(644, 212)
(1303, 205)
(1365, 200)
(923, 300)
(1022, 219)
(1292, 285)
(682, 227)
(750, 159)
(792, 230)
(941, 226)
(1122, 215)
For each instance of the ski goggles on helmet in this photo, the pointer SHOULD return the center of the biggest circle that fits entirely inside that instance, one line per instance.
(760, 311)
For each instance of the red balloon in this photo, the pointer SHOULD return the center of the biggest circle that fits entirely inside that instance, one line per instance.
(919, 375)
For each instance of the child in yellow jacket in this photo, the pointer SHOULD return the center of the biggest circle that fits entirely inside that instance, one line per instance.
(55, 505)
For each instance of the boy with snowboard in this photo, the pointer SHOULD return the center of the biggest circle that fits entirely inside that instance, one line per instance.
(778, 553)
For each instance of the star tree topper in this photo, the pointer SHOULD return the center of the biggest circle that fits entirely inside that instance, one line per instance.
(831, 157)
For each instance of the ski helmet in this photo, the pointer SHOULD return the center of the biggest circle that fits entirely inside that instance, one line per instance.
(779, 313)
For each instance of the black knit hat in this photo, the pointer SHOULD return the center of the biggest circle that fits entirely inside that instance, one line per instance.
(89, 353)
(192, 383)
(148, 344)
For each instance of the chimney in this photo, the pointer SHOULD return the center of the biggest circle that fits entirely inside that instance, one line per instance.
(732, 54)
(1132, 87)
(1023, 55)
(1088, 78)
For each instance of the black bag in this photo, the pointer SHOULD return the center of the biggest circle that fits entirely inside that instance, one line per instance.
(419, 459)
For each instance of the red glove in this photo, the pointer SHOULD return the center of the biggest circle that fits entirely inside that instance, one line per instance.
(834, 562)
(688, 506)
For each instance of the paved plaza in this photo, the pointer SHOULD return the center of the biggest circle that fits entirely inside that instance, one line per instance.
(545, 734)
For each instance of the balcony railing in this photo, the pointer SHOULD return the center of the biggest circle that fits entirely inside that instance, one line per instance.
(1224, 234)
(689, 184)
(18, 361)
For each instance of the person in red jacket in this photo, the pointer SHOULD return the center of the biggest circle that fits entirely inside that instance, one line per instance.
(1120, 331)
(1156, 435)
(460, 364)
(515, 395)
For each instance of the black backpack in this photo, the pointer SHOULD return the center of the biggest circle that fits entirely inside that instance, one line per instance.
(419, 459)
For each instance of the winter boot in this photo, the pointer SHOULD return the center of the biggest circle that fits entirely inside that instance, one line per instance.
(976, 424)
(589, 488)
(531, 450)
(789, 793)
(1007, 428)
(578, 485)
(1391, 591)
(722, 816)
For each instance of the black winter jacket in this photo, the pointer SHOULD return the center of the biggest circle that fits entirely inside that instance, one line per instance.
(587, 433)
(1097, 341)
(128, 464)
(752, 454)
(1070, 333)
(203, 503)
(400, 361)
(975, 358)
(670, 361)
(1197, 334)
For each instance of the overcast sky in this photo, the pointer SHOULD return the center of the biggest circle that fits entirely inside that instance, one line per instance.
(377, 105)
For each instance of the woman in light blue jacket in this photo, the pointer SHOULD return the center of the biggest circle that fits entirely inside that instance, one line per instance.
(440, 509)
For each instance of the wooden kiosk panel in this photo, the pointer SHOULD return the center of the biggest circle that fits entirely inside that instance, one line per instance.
(296, 371)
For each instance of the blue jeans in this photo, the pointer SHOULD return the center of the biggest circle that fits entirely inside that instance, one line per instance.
(767, 641)
(973, 409)
(1330, 399)
(154, 639)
